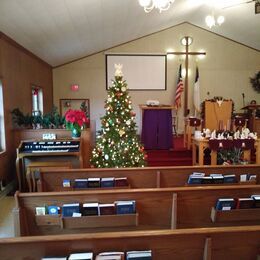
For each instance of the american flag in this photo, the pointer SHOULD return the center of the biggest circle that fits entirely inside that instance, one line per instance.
(179, 90)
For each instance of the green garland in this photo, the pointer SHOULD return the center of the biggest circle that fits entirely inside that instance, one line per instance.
(255, 81)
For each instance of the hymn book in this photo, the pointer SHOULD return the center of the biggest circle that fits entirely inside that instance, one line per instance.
(81, 256)
(225, 204)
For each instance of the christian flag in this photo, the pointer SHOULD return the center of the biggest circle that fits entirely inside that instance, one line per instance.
(179, 90)
(196, 94)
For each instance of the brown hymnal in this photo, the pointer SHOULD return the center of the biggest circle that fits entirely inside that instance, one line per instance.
(245, 203)
(107, 209)
(121, 182)
(111, 256)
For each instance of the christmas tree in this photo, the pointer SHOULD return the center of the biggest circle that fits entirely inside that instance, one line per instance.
(117, 144)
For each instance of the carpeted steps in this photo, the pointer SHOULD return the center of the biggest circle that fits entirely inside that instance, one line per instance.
(179, 156)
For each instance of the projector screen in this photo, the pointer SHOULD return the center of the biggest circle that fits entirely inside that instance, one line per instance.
(141, 71)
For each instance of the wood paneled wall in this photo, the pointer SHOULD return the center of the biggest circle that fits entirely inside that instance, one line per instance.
(20, 68)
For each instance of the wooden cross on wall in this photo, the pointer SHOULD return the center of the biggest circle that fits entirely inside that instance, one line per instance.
(187, 40)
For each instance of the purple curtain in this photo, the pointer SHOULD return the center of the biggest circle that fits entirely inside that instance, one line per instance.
(157, 129)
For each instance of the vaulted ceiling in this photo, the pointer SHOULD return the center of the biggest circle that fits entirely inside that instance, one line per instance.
(59, 31)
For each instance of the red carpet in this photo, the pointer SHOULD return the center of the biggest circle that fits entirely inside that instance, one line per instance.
(178, 156)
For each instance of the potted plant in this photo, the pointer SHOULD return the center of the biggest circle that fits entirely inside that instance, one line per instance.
(76, 121)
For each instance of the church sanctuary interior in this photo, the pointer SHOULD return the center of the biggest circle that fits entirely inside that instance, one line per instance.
(130, 129)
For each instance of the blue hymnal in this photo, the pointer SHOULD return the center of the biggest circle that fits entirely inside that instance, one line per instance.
(230, 178)
(225, 204)
(66, 183)
(194, 179)
(125, 207)
(107, 182)
(69, 209)
(256, 200)
(81, 183)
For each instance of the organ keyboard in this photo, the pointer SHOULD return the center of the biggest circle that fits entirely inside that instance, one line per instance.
(34, 149)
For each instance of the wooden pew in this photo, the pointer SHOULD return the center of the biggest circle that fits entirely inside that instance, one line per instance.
(162, 208)
(209, 243)
(148, 177)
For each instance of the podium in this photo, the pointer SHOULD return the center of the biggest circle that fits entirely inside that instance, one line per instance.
(254, 122)
(157, 127)
(218, 115)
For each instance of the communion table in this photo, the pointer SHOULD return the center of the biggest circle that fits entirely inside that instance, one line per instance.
(199, 146)
(157, 127)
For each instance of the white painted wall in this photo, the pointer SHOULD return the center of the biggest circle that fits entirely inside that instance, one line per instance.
(224, 71)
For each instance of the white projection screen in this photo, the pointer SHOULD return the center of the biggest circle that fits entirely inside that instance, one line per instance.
(141, 71)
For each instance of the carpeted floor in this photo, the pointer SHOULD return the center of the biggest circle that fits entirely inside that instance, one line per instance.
(177, 156)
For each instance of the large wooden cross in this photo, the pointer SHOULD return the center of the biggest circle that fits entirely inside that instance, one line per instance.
(186, 83)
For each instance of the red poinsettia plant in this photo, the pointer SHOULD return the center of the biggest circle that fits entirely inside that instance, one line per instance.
(76, 119)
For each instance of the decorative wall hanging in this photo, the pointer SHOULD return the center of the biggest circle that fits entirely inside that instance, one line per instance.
(255, 81)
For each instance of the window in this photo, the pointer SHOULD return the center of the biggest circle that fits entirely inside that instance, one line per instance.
(37, 101)
(2, 121)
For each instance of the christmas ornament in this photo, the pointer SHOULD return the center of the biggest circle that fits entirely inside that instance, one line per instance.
(121, 132)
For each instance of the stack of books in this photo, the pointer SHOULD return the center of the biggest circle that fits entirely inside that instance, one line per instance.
(88, 183)
(214, 178)
(238, 203)
(130, 255)
(98, 209)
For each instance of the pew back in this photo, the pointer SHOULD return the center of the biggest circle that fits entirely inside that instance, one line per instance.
(148, 177)
(182, 207)
(211, 243)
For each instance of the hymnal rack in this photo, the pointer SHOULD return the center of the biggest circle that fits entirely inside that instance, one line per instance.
(235, 215)
(45, 148)
(124, 220)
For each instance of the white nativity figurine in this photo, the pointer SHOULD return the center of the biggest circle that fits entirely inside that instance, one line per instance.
(207, 133)
(253, 135)
(118, 72)
(237, 135)
(213, 135)
(245, 132)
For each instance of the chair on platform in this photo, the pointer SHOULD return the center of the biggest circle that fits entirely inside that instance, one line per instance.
(191, 124)
(239, 123)
(33, 169)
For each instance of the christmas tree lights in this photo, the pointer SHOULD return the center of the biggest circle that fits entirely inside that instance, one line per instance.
(118, 144)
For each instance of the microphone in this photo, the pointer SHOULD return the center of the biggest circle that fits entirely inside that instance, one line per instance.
(243, 96)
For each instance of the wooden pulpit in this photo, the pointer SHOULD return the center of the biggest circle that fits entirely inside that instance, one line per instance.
(218, 115)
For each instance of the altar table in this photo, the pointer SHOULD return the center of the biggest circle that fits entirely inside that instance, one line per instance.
(199, 146)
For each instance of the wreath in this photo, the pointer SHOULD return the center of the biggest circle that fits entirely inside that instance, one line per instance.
(255, 81)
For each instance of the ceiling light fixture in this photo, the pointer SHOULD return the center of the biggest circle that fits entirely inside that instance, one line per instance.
(212, 21)
(186, 40)
(149, 5)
